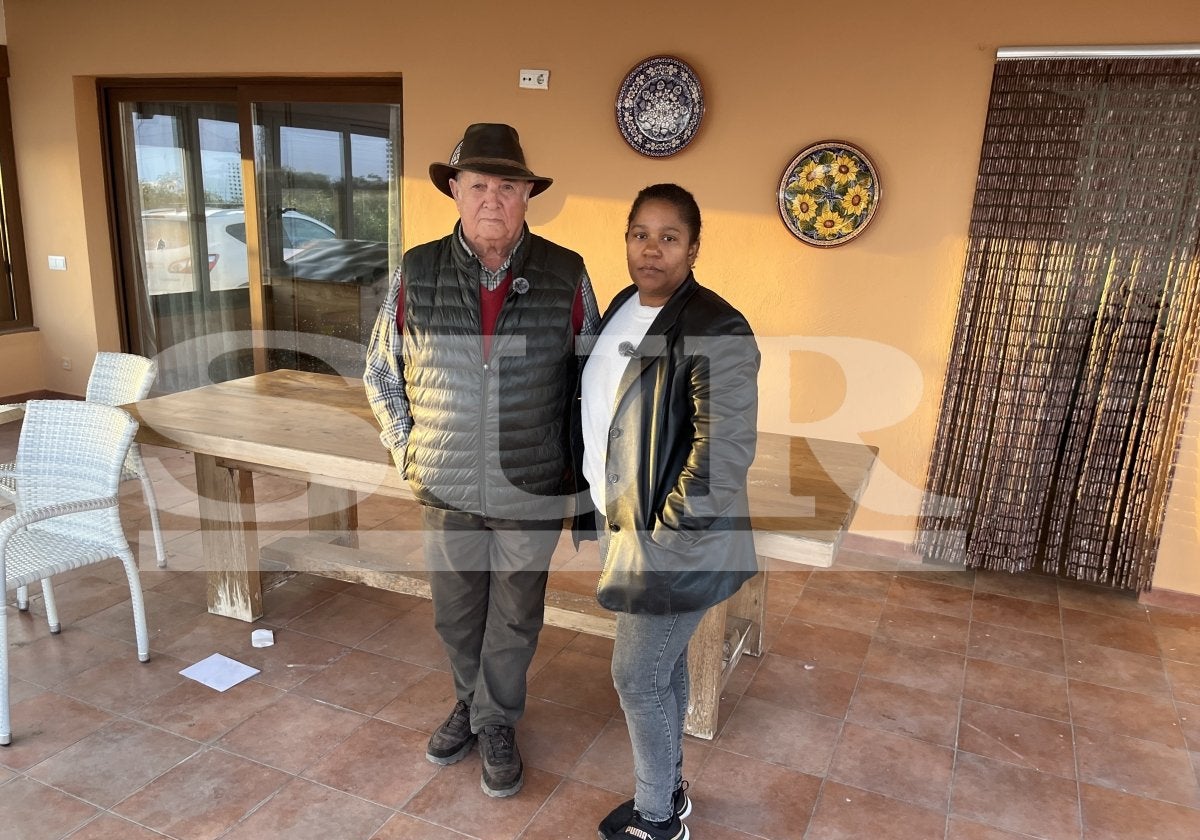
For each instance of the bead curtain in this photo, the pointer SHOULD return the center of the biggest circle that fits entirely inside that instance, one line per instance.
(1075, 341)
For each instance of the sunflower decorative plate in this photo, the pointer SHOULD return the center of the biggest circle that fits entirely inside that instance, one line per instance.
(659, 106)
(828, 194)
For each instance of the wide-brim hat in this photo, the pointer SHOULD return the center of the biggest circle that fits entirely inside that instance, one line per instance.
(490, 148)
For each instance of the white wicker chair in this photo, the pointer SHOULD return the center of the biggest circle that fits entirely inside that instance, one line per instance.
(70, 457)
(116, 379)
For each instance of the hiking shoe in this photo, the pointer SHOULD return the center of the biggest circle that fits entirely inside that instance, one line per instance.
(503, 773)
(623, 813)
(639, 828)
(451, 741)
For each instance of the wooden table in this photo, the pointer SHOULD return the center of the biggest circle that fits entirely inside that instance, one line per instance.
(319, 429)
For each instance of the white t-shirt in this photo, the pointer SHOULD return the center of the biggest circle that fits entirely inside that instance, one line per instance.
(601, 376)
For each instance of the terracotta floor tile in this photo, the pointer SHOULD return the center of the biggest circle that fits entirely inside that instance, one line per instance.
(82, 594)
(454, 799)
(554, 737)
(929, 595)
(33, 811)
(381, 762)
(836, 610)
(592, 645)
(109, 827)
(1020, 689)
(306, 811)
(292, 659)
(848, 813)
(962, 579)
(291, 599)
(780, 735)
(800, 685)
(1112, 815)
(202, 797)
(905, 711)
(50, 660)
(125, 684)
(872, 586)
(1160, 617)
(1125, 713)
(46, 722)
(577, 680)
(782, 595)
(1184, 681)
(1178, 645)
(608, 762)
(208, 635)
(344, 619)
(1131, 765)
(112, 763)
(960, 829)
(916, 667)
(1015, 799)
(922, 628)
(1018, 648)
(1028, 741)
(758, 798)
(743, 674)
(1189, 721)
(406, 827)
(821, 645)
(1135, 636)
(1100, 599)
(573, 810)
(1030, 587)
(894, 765)
(1116, 668)
(164, 617)
(291, 733)
(203, 714)
(362, 682)
(410, 637)
(424, 705)
(1017, 613)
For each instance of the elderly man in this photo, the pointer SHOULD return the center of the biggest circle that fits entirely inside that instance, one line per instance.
(471, 371)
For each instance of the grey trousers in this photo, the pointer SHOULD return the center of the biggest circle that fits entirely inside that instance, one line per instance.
(488, 580)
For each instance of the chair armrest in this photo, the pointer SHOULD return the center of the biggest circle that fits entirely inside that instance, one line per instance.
(22, 520)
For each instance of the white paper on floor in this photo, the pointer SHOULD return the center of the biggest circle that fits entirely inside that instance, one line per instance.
(219, 671)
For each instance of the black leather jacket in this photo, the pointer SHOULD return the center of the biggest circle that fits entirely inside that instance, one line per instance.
(685, 421)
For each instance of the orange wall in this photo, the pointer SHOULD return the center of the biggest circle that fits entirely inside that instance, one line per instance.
(855, 338)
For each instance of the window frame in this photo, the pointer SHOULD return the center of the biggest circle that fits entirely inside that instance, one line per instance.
(16, 302)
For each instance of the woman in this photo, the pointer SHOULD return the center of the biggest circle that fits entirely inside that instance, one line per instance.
(669, 409)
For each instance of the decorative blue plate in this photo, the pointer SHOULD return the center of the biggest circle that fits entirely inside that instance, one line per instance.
(828, 194)
(659, 106)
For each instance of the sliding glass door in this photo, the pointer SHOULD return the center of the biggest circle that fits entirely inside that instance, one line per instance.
(257, 224)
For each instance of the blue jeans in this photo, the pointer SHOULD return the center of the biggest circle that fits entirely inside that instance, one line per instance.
(649, 669)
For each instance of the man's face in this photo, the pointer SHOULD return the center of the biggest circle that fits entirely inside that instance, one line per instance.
(492, 210)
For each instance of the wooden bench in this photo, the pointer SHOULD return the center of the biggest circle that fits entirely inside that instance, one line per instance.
(319, 429)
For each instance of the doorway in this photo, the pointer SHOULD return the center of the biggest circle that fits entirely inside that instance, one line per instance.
(258, 224)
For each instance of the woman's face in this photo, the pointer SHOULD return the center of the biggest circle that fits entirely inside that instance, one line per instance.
(660, 251)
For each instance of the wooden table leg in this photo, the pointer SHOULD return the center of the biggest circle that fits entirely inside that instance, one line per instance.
(750, 602)
(334, 511)
(229, 535)
(704, 672)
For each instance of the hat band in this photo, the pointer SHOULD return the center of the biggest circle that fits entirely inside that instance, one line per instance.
(467, 163)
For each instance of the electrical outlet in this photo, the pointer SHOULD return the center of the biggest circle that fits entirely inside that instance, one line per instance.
(535, 79)
(57, 263)
(66, 363)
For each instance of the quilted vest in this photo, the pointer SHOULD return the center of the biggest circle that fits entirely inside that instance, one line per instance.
(489, 434)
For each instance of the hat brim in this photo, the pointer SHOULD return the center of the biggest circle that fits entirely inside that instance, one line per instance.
(441, 173)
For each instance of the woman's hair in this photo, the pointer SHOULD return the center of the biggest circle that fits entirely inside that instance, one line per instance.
(682, 200)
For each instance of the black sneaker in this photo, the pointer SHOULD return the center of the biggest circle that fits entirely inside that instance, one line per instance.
(623, 813)
(454, 738)
(503, 773)
(640, 828)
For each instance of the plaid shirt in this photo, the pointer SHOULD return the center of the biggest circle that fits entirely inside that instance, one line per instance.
(384, 376)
